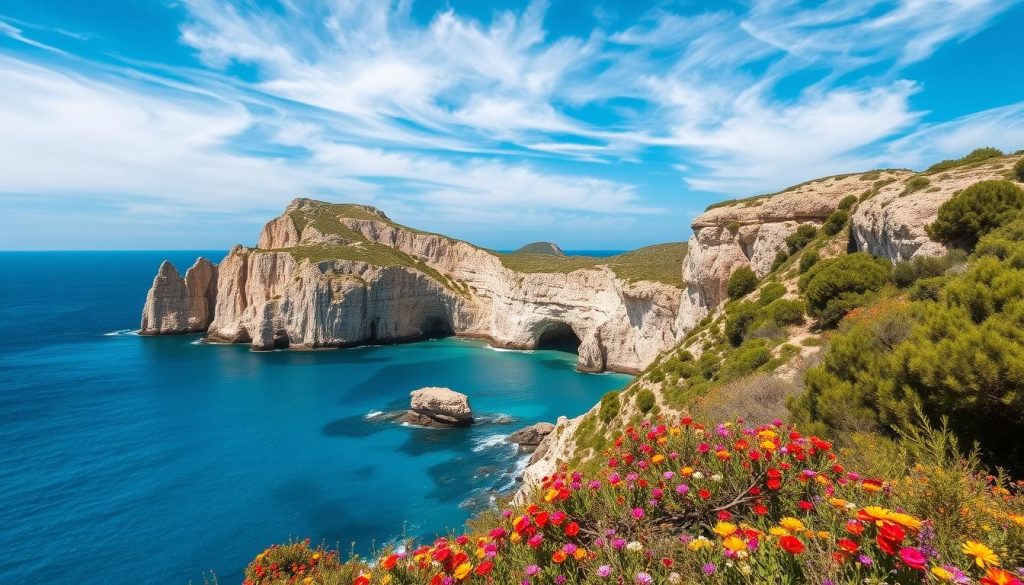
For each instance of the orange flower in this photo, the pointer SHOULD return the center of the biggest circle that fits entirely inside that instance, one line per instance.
(559, 556)
(997, 576)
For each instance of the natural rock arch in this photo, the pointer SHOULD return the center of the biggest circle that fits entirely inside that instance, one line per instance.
(557, 335)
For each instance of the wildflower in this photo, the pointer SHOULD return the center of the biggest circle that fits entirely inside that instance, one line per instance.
(644, 579)
(618, 543)
(791, 544)
(362, 579)
(559, 556)
(638, 513)
(579, 554)
(983, 555)
(604, 571)
(531, 570)
(634, 546)
(865, 560)
(708, 568)
(725, 529)
(675, 578)
(792, 525)
(904, 520)
(484, 568)
(913, 558)
(734, 543)
(682, 489)
(942, 573)
(699, 543)
(996, 576)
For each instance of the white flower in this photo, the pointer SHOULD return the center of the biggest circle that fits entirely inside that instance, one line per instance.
(745, 569)
(634, 546)
(675, 578)
(698, 475)
(716, 477)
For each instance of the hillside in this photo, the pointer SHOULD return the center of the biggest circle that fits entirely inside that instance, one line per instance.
(878, 311)
(541, 248)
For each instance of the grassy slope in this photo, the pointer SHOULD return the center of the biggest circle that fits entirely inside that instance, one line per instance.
(658, 263)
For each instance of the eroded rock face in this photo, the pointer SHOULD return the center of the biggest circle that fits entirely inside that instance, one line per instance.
(529, 438)
(439, 408)
(180, 305)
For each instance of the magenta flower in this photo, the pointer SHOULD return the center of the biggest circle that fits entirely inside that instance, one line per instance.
(644, 579)
(638, 513)
(531, 570)
(604, 571)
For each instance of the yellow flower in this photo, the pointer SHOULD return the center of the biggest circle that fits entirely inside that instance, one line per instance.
(316, 556)
(699, 544)
(462, 570)
(778, 531)
(791, 524)
(675, 431)
(767, 434)
(580, 554)
(942, 574)
(904, 520)
(767, 445)
(686, 471)
(725, 529)
(983, 555)
(1017, 519)
(386, 579)
(657, 459)
(480, 553)
(551, 495)
(514, 537)
(734, 543)
(662, 441)
(837, 502)
(824, 534)
(307, 580)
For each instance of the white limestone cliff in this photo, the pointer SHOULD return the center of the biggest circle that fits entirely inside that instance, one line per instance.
(180, 305)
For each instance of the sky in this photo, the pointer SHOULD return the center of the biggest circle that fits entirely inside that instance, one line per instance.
(187, 124)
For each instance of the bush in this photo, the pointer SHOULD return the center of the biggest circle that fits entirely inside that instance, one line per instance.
(741, 282)
(738, 319)
(810, 258)
(770, 292)
(757, 399)
(785, 312)
(904, 274)
(746, 359)
(835, 222)
(915, 184)
(928, 289)
(975, 211)
(975, 156)
(801, 237)
(780, 258)
(834, 287)
(645, 400)
(1018, 171)
(848, 202)
(609, 407)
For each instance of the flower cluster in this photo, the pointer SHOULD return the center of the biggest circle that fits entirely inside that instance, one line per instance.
(682, 502)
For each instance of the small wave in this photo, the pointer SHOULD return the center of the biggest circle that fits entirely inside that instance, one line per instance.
(373, 414)
(489, 442)
(505, 349)
(122, 332)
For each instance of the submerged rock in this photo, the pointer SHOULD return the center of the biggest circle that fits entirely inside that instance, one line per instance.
(530, 438)
(439, 408)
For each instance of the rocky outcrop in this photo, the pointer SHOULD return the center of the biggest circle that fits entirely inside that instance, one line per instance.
(529, 438)
(402, 284)
(751, 232)
(892, 222)
(180, 305)
(438, 408)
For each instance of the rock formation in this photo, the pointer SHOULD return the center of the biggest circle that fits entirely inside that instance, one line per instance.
(529, 438)
(328, 275)
(438, 408)
(180, 305)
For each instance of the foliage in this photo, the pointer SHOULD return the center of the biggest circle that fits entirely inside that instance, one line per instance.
(609, 408)
(915, 183)
(976, 156)
(808, 259)
(770, 292)
(678, 502)
(758, 399)
(833, 287)
(738, 319)
(780, 258)
(1018, 170)
(835, 222)
(801, 237)
(785, 311)
(741, 282)
(975, 211)
(746, 359)
(904, 274)
(657, 263)
(847, 202)
(645, 400)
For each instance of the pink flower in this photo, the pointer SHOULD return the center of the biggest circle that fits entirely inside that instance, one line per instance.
(638, 513)
(913, 558)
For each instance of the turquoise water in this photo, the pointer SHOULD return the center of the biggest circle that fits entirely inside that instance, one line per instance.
(154, 460)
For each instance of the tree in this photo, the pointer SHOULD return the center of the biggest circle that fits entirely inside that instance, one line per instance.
(976, 211)
(801, 237)
(741, 282)
(835, 222)
(1018, 170)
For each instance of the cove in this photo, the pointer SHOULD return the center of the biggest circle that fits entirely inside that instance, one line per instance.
(164, 458)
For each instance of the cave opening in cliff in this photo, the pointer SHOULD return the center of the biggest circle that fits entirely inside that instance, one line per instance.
(560, 337)
(436, 328)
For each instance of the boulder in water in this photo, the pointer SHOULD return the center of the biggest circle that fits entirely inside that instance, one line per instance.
(438, 408)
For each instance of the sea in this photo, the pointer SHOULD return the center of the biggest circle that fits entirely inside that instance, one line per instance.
(169, 460)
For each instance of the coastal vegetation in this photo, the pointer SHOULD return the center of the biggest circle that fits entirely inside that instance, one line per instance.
(657, 263)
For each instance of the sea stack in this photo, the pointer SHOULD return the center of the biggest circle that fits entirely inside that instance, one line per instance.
(530, 438)
(438, 408)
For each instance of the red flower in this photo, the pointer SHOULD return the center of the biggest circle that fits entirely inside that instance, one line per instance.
(484, 568)
(889, 537)
(389, 562)
(704, 494)
(541, 519)
(847, 546)
(572, 529)
(805, 505)
(791, 544)
(760, 509)
(361, 580)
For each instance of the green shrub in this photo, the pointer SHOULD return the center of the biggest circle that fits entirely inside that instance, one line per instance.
(1018, 171)
(741, 282)
(746, 359)
(835, 222)
(905, 274)
(928, 289)
(770, 292)
(833, 287)
(645, 400)
(915, 183)
(785, 312)
(801, 237)
(738, 319)
(810, 258)
(975, 211)
(609, 407)
(780, 258)
(848, 202)
(733, 227)
(1005, 243)
(975, 156)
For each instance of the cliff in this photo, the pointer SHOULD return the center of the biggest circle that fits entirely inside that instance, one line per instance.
(180, 305)
(327, 275)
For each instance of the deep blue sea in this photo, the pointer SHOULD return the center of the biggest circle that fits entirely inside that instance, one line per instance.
(161, 459)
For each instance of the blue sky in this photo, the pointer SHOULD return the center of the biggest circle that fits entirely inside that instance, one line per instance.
(187, 124)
